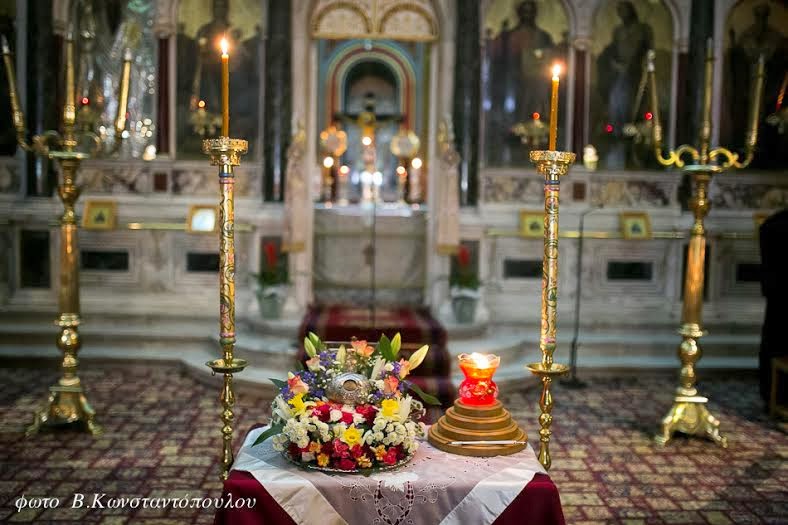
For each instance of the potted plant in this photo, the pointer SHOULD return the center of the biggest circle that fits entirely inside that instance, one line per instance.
(464, 287)
(271, 281)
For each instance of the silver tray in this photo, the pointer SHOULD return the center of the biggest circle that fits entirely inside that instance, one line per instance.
(332, 470)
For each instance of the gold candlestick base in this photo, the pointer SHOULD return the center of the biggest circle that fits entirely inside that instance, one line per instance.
(477, 423)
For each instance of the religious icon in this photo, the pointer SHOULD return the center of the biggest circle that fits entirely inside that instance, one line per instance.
(199, 71)
(635, 225)
(520, 47)
(755, 29)
(202, 219)
(532, 223)
(618, 108)
(99, 215)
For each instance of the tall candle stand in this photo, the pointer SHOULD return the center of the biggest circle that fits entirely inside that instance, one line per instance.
(552, 165)
(226, 153)
(689, 414)
(67, 402)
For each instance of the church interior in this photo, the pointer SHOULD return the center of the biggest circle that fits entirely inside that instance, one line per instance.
(393, 261)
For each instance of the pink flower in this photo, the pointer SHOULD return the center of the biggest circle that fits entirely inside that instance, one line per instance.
(367, 412)
(322, 412)
(362, 348)
(404, 368)
(340, 449)
(390, 384)
(313, 364)
(296, 385)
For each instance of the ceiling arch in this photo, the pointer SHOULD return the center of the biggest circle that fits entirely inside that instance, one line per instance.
(410, 20)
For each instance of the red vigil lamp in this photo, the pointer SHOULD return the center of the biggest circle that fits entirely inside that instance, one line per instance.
(478, 424)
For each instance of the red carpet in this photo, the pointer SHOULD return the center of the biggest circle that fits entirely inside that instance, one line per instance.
(417, 327)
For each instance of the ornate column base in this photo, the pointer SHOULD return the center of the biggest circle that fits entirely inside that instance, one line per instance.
(689, 415)
(67, 404)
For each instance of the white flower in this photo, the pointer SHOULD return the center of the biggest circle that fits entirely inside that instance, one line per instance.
(339, 429)
(389, 367)
(281, 408)
(335, 415)
(358, 418)
(307, 456)
(404, 408)
(377, 368)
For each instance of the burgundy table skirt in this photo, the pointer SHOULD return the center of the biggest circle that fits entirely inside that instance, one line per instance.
(537, 504)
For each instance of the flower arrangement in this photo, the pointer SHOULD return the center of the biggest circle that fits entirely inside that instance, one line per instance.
(350, 409)
(271, 281)
(464, 275)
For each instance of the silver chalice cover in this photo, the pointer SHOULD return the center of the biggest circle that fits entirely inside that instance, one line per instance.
(348, 388)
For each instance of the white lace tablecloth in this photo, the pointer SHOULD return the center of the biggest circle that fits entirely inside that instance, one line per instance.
(434, 488)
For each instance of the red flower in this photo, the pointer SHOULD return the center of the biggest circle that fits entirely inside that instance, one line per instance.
(346, 464)
(367, 412)
(340, 449)
(357, 451)
(270, 255)
(347, 418)
(463, 256)
(391, 456)
(322, 412)
(293, 450)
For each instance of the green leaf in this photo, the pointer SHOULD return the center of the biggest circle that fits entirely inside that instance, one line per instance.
(384, 345)
(427, 398)
(278, 383)
(271, 431)
(396, 343)
(309, 347)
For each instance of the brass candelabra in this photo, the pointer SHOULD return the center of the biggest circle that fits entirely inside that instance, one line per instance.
(67, 402)
(226, 153)
(689, 414)
(552, 165)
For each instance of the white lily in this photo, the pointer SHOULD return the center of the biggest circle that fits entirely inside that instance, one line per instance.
(404, 408)
(282, 409)
(417, 357)
(377, 368)
(341, 355)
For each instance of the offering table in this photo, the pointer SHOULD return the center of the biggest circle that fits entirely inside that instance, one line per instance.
(435, 487)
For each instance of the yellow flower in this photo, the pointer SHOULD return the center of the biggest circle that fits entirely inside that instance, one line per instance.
(298, 404)
(351, 436)
(314, 447)
(380, 451)
(364, 462)
(390, 408)
(322, 459)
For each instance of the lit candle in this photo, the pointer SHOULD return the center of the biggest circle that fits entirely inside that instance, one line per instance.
(225, 89)
(656, 123)
(478, 388)
(554, 108)
(69, 106)
(123, 94)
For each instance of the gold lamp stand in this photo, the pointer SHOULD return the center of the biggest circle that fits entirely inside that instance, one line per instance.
(552, 165)
(689, 414)
(226, 153)
(67, 402)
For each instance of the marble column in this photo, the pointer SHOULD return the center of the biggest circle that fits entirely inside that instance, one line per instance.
(41, 111)
(278, 100)
(467, 93)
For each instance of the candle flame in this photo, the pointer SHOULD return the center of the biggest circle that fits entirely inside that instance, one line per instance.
(328, 162)
(480, 360)
(556, 71)
(224, 45)
(416, 163)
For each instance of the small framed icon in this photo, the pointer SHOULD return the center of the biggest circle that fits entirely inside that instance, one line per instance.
(635, 225)
(202, 219)
(531, 223)
(100, 215)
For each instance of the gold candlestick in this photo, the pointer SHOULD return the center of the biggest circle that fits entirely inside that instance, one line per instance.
(226, 153)
(552, 165)
(689, 413)
(67, 403)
